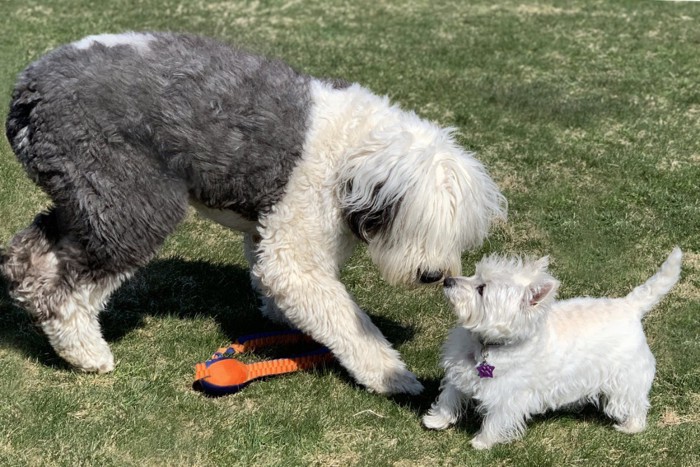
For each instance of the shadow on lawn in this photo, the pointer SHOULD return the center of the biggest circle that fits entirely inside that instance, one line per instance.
(470, 423)
(170, 287)
(190, 289)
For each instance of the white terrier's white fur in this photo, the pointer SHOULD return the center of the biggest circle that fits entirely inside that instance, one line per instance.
(545, 354)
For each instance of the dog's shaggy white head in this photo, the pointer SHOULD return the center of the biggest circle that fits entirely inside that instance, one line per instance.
(417, 199)
(504, 301)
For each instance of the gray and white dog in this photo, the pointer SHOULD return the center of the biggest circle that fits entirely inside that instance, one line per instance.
(123, 131)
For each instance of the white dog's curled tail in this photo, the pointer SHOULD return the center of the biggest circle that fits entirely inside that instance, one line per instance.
(647, 295)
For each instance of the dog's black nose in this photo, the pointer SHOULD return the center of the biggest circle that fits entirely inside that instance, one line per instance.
(429, 277)
(449, 282)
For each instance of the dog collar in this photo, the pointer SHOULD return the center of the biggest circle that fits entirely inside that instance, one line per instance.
(484, 343)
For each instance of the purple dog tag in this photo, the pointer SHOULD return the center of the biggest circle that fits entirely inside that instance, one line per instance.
(485, 370)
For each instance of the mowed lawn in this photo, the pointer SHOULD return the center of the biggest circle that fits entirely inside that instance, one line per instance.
(587, 114)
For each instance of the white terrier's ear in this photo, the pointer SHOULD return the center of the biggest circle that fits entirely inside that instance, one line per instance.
(543, 291)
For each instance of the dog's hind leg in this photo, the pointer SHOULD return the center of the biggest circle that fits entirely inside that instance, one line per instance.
(64, 267)
(48, 276)
(628, 406)
(629, 410)
(625, 394)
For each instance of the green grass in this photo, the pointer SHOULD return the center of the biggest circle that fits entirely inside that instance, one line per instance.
(586, 113)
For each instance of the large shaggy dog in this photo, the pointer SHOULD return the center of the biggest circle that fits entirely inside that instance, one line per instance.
(123, 131)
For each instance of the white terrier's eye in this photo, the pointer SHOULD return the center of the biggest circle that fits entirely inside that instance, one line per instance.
(480, 289)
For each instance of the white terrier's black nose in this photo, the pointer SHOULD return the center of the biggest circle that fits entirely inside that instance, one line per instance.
(428, 277)
(449, 282)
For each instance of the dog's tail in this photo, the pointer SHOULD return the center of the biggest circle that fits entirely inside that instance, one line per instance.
(647, 295)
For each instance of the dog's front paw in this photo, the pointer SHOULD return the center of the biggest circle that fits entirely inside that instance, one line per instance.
(435, 420)
(396, 382)
(98, 363)
(88, 356)
(481, 442)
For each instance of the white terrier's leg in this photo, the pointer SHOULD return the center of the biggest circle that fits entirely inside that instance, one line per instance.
(268, 309)
(501, 425)
(633, 424)
(629, 410)
(305, 286)
(446, 409)
(626, 400)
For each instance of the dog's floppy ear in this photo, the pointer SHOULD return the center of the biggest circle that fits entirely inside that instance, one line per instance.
(369, 219)
(374, 181)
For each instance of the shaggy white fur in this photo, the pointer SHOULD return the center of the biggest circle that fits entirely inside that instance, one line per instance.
(517, 352)
(391, 156)
(306, 168)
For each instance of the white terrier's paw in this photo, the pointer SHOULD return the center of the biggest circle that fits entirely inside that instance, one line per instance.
(632, 426)
(435, 420)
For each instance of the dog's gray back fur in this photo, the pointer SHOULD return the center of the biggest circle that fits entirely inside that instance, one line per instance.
(121, 137)
(228, 124)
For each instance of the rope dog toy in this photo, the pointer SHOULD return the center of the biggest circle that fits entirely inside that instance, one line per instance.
(222, 374)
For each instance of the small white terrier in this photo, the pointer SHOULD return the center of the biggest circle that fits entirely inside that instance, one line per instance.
(518, 352)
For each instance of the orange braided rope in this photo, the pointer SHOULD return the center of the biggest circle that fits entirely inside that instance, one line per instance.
(285, 365)
(222, 374)
(265, 341)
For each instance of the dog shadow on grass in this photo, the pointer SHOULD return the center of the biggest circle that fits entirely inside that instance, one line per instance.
(170, 287)
(471, 420)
